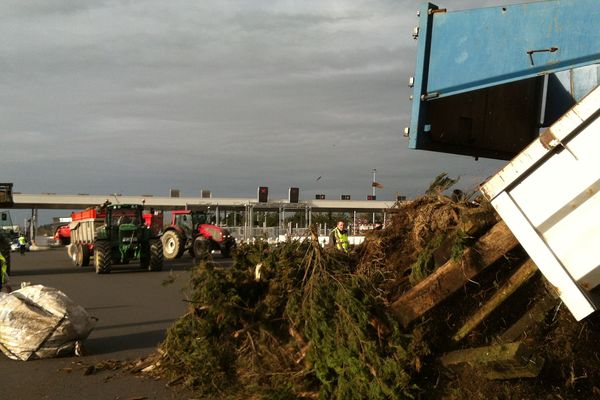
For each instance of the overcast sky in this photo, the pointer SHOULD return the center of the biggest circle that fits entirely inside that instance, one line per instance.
(137, 97)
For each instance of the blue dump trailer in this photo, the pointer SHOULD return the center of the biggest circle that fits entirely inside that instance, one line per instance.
(520, 82)
(488, 80)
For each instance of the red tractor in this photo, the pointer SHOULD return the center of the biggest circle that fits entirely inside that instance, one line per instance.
(190, 230)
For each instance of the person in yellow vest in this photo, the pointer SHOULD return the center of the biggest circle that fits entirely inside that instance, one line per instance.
(22, 244)
(4, 274)
(338, 238)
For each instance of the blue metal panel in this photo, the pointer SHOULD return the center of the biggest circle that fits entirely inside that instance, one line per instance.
(566, 88)
(482, 47)
(420, 78)
(584, 80)
(459, 52)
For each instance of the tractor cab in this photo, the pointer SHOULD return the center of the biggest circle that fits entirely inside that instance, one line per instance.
(118, 216)
(188, 221)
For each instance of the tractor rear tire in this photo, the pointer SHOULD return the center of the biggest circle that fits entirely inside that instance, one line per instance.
(156, 255)
(145, 256)
(5, 250)
(173, 245)
(102, 257)
(77, 254)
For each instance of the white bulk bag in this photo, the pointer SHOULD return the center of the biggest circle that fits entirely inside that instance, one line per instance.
(41, 322)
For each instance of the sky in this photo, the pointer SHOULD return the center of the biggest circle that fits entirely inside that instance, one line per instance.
(137, 97)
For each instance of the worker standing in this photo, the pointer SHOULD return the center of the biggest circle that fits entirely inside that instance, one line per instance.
(4, 274)
(338, 238)
(22, 244)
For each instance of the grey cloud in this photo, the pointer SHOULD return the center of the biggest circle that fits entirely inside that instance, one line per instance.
(138, 97)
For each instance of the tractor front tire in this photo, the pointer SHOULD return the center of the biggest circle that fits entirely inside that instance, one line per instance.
(227, 247)
(201, 247)
(102, 257)
(173, 245)
(156, 255)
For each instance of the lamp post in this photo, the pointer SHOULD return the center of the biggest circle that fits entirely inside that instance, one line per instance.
(373, 183)
(373, 190)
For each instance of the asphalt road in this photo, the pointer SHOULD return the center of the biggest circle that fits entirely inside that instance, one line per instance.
(133, 307)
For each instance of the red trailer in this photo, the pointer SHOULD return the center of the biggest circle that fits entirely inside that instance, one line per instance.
(62, 235)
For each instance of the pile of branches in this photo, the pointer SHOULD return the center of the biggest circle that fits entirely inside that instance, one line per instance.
(295, 320)
(289, 321)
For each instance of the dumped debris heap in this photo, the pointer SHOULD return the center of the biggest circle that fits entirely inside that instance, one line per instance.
(442, 303)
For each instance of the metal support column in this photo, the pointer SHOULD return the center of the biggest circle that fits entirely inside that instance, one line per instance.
(306, 223)
(251, 222)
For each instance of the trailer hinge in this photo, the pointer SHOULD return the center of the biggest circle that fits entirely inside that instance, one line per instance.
(429, 96)
(549, 141)
(432, 11)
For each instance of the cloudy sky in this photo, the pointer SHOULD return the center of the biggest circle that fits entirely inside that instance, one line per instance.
(137, 97)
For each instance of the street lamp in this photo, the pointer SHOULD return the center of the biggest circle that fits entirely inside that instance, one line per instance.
(373, 183)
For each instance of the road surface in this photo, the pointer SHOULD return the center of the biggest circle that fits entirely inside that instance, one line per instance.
(134, 308)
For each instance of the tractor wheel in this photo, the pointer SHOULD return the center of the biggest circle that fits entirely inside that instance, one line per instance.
(201, 247)
(77, 255)
(5, 250)
(102, 257)
(156, 255)
(172, 244)
(226, 249)
(145, 256)
(85, 260)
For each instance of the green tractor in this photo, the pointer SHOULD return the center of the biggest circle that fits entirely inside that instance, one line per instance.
(124, 237)
(6, 232)
(6, 235)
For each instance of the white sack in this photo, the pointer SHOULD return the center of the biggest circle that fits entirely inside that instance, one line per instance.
(41, 322)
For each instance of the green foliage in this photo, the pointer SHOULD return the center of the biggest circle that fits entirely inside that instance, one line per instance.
(308, 323)
(461, 239)
(193, 344)
(234, 334)
(339, 314)
(424, 264)
(440, 184)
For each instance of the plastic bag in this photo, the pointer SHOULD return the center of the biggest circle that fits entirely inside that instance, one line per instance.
(41, 322)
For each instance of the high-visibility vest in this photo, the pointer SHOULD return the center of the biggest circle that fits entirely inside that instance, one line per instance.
(22, 240)
(3, 267)
(341, 240)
